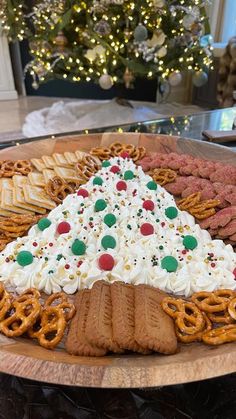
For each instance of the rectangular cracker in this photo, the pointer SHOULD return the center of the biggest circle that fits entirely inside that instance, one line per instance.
(122, 297)
(76, 341)
(49, 162)
(48, 174)
(39, 164)
(37, 196)
(5, 213)
(19, 201)
(36, 179)
(66, 173)
(6, 183)
(70, 157)
(19, 181)
(61, 160)
(99, 323)
(7, 203)
(79, 154)
(154, 329)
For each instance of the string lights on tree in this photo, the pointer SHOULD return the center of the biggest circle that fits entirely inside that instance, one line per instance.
(111, 41)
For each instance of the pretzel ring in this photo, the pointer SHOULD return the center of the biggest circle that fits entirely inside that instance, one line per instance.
(224, 334)
(209, 302)
(23, 166)
(5, 301)
(58, 189)
(7, 168)
(189, 202)
(60, 300)
(85, 172)
(232, 308)
(196, 337)
(138, 153)
(24, 316)
(116, 148)
(164, 176)
(103, 153)
(190, 320)
(172, 306)
(91, 161)
(51, 329)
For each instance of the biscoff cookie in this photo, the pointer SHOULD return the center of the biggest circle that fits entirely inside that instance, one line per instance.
(99, 323)
(154, 329)
(122, 297)
(76, 341)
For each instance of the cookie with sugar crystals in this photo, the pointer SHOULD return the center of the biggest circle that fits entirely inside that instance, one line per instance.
(122, 296)
(76, 341)
(154, 329)
(99, 323)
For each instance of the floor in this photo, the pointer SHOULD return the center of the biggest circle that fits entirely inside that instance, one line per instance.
(13, 113)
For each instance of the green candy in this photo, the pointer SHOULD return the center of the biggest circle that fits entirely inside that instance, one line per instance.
(97, 181)
(106, 163)
(100, 205)
(109, 220)
(171, 212)
(169, 263)
(190, 242)
(128, 175)
(152, 185)
(24, 258)
(108, 242)
(44, 223)
(78, 247)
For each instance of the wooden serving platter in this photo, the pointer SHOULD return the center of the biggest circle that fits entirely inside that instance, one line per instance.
(193, 362)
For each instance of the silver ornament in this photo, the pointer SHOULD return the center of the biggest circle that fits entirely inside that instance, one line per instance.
(102, 28)
(200, 78)
(106, 81)
(175, 78)
(140, 33)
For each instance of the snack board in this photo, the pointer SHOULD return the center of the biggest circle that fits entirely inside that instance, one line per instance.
(192, 363)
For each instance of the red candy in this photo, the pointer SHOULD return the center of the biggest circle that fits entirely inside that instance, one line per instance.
(83, 193)
(146, 229)
(63, 227)
(106, 262)
(114, 169)
(148, 205)
(67, 266)
(121, 186)
(35, 244)
(124, 155)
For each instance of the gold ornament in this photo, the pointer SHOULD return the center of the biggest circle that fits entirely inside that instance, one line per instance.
(128, 78)
(61, 41)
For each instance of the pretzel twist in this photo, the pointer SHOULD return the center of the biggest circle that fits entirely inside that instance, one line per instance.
(5, 301)
(163, 176)
(24, 315)
(224, 334)
(59, 300)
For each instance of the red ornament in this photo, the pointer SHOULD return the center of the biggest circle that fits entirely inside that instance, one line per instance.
(234, 273)
(106, 262)
(63, 227)
(148, 205)
(146, 229)
(124, 155)
(121, 186)
(83, 193)
(114, 169)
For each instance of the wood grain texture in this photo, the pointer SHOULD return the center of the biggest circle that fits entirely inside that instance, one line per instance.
(24, 358)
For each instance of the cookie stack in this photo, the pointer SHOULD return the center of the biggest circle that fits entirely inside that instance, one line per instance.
(120, 317)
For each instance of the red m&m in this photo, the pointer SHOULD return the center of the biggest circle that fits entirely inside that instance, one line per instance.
(83, 193)
(148, 205)
(114, 169)
(63, 227)
(106, 262)
(124, 155)
(121, 186)
(146, 229)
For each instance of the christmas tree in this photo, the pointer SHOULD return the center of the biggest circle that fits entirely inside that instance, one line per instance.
(111, 41)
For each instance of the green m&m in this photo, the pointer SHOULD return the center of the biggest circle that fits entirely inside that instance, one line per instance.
(190, 242)
(109, 220)
(100, 205)
(78, 247)
(106, 163)
(108, 242)
(44, 223)
(128, 175)
(152, 185)
(171, 212)
(169, 263)
(97, 181)
(24, 258)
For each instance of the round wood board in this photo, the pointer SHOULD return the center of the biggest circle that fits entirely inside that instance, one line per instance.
(27, 359)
